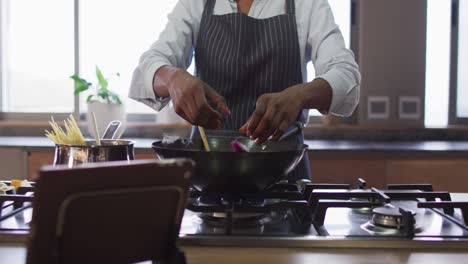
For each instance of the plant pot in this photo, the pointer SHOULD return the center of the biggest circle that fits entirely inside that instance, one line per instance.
(105, 112)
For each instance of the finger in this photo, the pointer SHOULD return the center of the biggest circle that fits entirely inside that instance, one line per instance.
(182, 105)
(180, 110)
(191, 110)
(280, 131)
(209, 118)
(267, 126)
(206, 115)
(243, 130)
(218, 101)
(256, 117)
(210, 115)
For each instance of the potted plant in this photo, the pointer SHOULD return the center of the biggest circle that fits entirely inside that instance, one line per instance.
(105, 103)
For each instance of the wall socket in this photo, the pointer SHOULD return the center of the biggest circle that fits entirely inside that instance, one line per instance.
(409, 107)
(378, 107)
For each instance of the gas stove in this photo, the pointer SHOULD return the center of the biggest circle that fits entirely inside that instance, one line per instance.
(302, 215)
(330, 215)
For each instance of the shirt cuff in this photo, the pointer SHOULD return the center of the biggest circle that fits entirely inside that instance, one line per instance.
(147, 95)
(343, 99)
(149, 78)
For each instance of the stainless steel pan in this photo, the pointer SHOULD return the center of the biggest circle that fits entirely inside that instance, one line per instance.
(109, 150)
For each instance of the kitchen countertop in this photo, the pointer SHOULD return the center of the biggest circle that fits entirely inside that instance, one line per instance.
(421, 147)
(199, 255)
(16, 253)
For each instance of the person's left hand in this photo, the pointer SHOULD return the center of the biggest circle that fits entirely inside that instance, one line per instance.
(274, 113)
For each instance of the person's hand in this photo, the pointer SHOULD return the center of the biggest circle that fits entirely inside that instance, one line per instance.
(193, 100)
(274, 113)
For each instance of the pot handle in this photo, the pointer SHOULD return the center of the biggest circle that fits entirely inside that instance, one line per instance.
(294, 130)
(111, 129)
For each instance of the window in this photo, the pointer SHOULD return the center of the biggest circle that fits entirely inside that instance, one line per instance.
(38, 49)
(459, 55)
(116, 40)
(439, 26)
(37, 55)
(462, 82)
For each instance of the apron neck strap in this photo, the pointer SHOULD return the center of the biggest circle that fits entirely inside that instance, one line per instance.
(209, 7)
(290, 7)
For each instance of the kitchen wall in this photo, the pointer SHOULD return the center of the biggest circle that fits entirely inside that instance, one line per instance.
(392, 56)
(13, 164)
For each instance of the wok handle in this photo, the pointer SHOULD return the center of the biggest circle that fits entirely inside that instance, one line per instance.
(296, 129)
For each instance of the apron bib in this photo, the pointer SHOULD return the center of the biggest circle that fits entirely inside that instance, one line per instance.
(243, 57)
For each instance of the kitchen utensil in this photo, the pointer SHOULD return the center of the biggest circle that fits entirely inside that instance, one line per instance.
(111, 129)
(226, 172)
(294, 130)
(95, 129)
(203, 137)
(108, 150)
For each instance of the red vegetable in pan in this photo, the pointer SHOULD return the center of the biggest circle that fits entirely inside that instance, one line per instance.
(238, 147)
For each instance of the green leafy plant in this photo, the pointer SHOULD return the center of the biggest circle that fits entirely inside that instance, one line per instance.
(101, 91)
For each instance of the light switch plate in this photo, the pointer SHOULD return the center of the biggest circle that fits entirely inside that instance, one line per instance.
(378, 107)
(409, 107)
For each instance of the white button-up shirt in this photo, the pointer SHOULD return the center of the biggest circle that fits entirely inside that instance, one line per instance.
(320, 41)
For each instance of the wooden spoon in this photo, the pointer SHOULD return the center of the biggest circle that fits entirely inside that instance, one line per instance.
(203, 137)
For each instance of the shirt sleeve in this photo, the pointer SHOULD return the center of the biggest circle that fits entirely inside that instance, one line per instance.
(333, 62)
(174, 47)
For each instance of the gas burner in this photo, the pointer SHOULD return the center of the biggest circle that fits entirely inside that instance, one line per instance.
(366, 209)
(388, 216)
(385, 231)
(215, 200)
(229, 214)
(252, 210)
(241, 220)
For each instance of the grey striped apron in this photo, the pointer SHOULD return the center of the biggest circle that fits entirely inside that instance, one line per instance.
(242, 58)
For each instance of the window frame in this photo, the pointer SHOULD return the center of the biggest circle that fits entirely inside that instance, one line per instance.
(2, 67)
(453, 93)
(43, 116)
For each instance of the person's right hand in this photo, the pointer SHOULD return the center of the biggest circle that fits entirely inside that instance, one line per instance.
(193, 100)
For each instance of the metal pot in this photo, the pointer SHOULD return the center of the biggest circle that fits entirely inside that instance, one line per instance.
(109, 150)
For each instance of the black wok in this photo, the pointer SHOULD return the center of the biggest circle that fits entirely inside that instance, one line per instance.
(223, 171)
